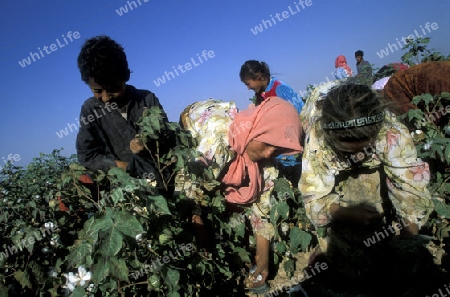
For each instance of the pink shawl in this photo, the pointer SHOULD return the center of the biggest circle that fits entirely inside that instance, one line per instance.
(341, 61)
(276, 122)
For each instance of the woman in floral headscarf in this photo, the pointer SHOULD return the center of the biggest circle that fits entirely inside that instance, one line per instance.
(342, 71)
(239, 146)
(362, 184)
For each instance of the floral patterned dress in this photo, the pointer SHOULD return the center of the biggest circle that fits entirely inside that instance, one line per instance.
(388, 176)
(407, 176)
(208, 121)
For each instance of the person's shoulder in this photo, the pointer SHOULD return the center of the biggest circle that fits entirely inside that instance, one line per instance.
(340, 73)
(142, 94)
(284, 86)
(90, 103)
(138, 92)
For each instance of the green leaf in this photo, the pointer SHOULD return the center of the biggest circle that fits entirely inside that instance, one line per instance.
(78, 292)
(81, 249)
(100, 224)
(4, 216)
(32, 235)
(109, 286)
(289, 267)
(100, 270)
(119, 269)
(281, 247)
(427, 98)
(111, 243)
(238, 225)
(165, 236)
(117, 195)
(154, 120)
(77, 167)
(154, 282)
(119, 174)
(160, 204)
(37, 272)
(445, 95)
(283, 189)
(275, 258)
(127, 224)
(447, 154)
(299, 238)
(129, 187)
(442, 209)
(22, 278)
(243, 254)
(183, 139)
(280, 210)
(172, 278)
(218, 202)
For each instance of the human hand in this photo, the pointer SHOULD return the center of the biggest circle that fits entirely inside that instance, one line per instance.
(262, 269)
(262, 262)
(408, 229)
(121, 164)
(136, 145)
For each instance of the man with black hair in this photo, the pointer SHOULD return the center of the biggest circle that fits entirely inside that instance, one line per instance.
(364, 69)
(107, 134)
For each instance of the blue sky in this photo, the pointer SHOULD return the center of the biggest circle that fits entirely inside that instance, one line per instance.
(44, 97)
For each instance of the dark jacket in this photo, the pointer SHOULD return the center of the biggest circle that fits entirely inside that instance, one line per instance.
(105, 135)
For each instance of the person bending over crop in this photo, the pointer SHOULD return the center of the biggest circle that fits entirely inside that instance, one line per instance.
(425, 78)
(364, 186)
(239, 147)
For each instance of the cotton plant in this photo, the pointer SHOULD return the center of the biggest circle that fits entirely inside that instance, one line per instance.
(79, 279)
(55, 240)
(49, 226)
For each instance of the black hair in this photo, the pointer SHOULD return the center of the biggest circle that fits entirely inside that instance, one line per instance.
(359, 53)
(104, 60)
(253, 69)
(350, 101)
